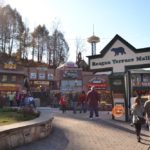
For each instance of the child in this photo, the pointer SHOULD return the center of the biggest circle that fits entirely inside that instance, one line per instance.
(63, 103)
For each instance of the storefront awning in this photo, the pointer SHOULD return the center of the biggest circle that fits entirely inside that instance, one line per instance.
(10, 87)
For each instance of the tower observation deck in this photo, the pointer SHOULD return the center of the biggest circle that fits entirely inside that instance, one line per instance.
(93, 40)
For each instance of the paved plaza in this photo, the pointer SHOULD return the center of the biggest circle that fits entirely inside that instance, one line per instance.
(78, 132)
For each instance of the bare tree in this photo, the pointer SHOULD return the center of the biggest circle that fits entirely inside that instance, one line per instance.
(40, 42)
(16, 38)
(59, 48)
(10, 24)
(80, 48)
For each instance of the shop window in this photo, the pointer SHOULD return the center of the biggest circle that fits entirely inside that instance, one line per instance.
(146, 78)
(42, 76)
(13, 78)
(4, 78)
(33, 75)
(50, 76)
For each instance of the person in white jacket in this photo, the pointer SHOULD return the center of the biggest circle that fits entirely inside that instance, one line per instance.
(137, 111)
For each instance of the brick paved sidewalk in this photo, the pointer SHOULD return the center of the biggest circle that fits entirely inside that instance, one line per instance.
(78, 132)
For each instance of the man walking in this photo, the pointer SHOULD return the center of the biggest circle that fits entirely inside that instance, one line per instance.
(75, 102)
(11, 98)
(92, 100)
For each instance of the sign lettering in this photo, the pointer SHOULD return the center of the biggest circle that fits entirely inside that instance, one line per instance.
(121, 61)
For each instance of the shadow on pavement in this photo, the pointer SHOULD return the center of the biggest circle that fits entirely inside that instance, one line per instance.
(108, 122)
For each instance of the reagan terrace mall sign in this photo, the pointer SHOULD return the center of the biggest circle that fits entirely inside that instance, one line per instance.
(118, 55)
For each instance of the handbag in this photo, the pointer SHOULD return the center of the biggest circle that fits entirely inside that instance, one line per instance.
(141, 120)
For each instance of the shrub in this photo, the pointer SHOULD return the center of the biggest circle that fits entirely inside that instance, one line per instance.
(9, 109)
(10, 115)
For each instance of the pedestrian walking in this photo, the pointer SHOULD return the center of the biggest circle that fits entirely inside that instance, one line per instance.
(2, 100)
(92, 99)
(23, 98)
(82, 102)
(18, 98)
(11, 98)
(137, 112)
(63, 103)
(30, 100)
(75, 100)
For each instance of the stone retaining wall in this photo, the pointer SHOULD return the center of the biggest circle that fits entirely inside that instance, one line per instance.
(25, 132)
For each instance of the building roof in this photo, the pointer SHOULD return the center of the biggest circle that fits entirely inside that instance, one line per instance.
(68, 64)
(117, 37)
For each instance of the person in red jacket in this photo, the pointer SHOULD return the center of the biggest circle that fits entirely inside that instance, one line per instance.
(63, 103)
(92, 100)
(82, 102)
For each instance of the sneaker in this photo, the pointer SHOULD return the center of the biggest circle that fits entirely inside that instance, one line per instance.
(138, 139)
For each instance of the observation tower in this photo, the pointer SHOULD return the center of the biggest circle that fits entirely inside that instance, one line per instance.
(93, 40)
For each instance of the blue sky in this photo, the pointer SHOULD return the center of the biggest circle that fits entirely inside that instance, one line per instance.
(128, 18)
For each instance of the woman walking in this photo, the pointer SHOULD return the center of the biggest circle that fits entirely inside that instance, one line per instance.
(137, 112)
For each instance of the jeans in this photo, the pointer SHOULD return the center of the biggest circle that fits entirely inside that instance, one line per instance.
(137, 128)
(11, 103)
(93, 109)
(32, 103)
(74, 107)
(83, 107)
(63, 108)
